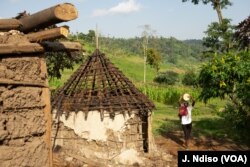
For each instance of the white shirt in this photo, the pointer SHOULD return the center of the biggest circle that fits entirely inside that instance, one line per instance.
(187, 119)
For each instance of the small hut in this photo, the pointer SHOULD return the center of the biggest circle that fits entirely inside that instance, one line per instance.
(100, 114)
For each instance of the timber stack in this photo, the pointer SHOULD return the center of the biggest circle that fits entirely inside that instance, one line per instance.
(25, 110)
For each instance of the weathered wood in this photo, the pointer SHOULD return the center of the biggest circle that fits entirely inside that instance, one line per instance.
(151, 142)
(56, 14)
(61, 46)
(9, 24)
(49, 34)
(19, 48)
(47, 112)
(23, 83)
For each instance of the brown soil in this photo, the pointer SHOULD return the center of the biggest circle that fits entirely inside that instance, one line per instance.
(172, 142)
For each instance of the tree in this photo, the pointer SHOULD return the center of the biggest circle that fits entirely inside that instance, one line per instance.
(242, 34)
(172, 58)
(219, 36)
(217, 5)
(90, 37)
(147, 32)
(58, 61)
(154, 59)
(227, 74)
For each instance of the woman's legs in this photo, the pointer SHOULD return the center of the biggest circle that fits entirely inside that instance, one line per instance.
(187, 132)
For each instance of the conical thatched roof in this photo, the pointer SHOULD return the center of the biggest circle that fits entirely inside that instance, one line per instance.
(99, 85)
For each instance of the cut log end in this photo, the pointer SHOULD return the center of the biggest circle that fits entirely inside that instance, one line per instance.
(66, 12)
(64, 32)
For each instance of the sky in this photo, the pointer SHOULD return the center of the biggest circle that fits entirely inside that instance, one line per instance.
(125, 18)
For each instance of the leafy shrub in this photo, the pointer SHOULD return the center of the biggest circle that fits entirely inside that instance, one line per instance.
(238, 122)
(167, 77)
(190, 78)
(237, 117)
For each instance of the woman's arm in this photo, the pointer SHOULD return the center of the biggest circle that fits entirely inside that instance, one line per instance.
(193, 101)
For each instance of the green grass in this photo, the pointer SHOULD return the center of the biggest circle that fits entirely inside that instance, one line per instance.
(165, 119)
(206, 122)
(133, 68)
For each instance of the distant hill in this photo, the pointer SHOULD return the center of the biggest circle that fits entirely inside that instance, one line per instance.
(171, 49)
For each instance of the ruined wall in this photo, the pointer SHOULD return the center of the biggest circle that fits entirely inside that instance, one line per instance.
(99, 140)
(24, 111)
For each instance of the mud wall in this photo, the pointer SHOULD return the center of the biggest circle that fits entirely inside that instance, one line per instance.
(101, 141)
(24, 111)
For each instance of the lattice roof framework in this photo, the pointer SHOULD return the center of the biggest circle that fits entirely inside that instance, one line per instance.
(99, 85)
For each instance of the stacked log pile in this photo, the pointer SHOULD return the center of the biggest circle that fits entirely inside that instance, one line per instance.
(25, 111)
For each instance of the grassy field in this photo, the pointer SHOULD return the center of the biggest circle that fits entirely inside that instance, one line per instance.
(206, 120)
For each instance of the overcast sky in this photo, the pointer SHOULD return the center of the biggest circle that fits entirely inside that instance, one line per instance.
(123, 18)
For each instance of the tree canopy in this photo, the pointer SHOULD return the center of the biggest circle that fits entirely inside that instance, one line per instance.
(216, 4)
(153, 58)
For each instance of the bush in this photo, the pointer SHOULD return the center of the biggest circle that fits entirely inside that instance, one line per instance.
(168, 77)
(189, 78)
(237, 117)
(237, 121)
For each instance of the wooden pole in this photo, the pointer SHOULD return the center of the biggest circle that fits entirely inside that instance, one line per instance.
(61, 46)
(151, 143)
(97, 37)
(9, 24)
(45, 18)
(57, 14)
(19, 48)
(11, 82)
(49, 34)
(47, 112)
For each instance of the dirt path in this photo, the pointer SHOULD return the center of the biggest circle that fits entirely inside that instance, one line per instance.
(173, 142)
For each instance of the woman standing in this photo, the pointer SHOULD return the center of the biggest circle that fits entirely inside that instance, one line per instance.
(188, 102)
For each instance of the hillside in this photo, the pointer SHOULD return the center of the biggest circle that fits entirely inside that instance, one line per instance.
(127, 55)
(171, 49)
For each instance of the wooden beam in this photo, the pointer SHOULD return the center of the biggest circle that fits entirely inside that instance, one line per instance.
(22, 83)
(47, 111)
(61, 46)
(9, 24)
(49, 34)
(51, 16)
(19, 48)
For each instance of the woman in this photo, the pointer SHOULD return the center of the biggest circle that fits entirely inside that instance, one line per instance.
(186, 120)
